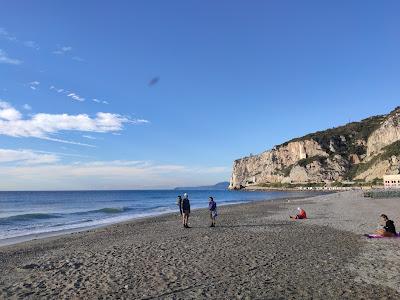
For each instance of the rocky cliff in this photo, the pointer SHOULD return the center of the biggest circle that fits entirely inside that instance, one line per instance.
(361, 151)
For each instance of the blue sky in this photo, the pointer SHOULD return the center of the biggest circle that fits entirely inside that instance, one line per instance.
(235, 77)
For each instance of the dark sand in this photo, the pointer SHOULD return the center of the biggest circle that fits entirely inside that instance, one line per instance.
(255, 252)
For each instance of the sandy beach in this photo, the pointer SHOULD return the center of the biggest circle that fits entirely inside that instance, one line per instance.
(255, 252)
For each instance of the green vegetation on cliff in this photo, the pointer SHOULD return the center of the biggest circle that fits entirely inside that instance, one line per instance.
(306, 161)
(387, 152)
(347, 139)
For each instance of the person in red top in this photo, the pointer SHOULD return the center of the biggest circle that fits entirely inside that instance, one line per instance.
(301, 215)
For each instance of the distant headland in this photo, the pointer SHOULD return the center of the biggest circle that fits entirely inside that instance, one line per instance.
(219, 186)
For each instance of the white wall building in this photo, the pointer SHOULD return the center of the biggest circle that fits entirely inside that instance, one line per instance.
(391, 181)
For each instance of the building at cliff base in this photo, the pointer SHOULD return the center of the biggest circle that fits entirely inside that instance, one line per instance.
(391, 181)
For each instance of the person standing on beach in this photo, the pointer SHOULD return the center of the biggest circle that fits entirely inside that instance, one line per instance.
(185, 210)
(212, 207)
(179, 203)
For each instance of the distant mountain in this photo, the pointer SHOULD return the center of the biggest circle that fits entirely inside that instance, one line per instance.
(219, 186)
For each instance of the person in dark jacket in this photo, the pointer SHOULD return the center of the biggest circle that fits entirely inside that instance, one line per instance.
(212, 207)
(388, 228)
(179, 203)
(185, 210)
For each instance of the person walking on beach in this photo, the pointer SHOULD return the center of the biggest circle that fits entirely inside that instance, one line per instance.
(212, 207)
(185, 210)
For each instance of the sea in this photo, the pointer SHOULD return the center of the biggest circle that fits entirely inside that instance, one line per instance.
(26, 215)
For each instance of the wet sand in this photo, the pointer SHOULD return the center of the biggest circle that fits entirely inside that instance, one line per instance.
(255, 252)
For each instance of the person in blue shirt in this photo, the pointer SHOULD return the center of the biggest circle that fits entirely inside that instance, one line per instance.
(212, 207)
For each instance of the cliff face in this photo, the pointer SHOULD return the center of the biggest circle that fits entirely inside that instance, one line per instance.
(362, 151)
(385, 135)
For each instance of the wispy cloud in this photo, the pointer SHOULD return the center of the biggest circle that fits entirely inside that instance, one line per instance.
(4, 34)
(76, 97)
(44, 126)
(26, 157)
(89, 137)
(115, 174)
(77, 58)
(68, 52)
(62, 50)
(68, 93)
(100, 101)
(34, 85)
(31, 44)
(5, 59)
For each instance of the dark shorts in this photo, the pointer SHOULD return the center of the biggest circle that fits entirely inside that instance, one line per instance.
(186, 211)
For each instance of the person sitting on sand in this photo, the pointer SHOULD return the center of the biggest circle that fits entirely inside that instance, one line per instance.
(186, 210)
(388, 229)
(212, 206)
(301, 215)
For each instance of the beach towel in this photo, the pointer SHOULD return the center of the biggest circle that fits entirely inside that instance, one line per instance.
(378, 236)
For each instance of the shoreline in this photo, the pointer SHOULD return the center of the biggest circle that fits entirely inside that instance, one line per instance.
(254, 252)
(49, 234)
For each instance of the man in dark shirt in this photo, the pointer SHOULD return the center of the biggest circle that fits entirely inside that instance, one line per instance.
(186, 210)
(179, 203)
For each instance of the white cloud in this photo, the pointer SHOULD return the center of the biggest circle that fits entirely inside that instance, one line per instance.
(4, 59)
(96, 100)
(105, 102)
(44, 125)
(7, 112)
(26, 107)
(27, 157)
(76, 97)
